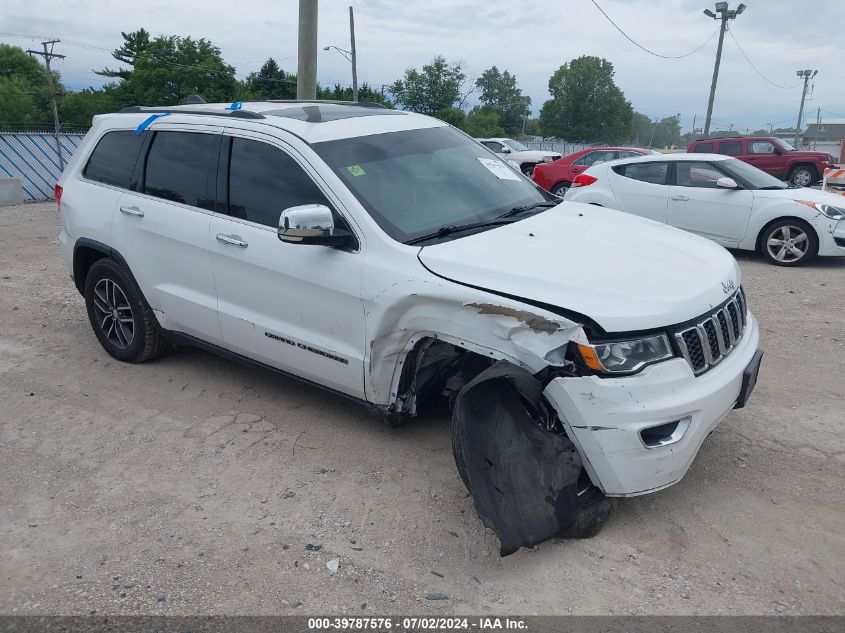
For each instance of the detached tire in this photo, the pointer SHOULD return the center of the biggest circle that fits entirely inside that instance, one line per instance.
(789, 242)
(120, 317)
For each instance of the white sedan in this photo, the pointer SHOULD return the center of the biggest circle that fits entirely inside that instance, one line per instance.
(723, 199)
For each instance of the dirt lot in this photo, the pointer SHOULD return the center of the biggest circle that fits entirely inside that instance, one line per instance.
(193, 485)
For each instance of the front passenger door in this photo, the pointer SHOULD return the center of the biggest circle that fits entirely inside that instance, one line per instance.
(296, 307)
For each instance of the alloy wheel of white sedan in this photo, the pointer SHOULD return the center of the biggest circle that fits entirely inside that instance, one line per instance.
(788, 243)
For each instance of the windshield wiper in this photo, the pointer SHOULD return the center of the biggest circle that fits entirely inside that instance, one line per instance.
(443, 231)
(529, 207)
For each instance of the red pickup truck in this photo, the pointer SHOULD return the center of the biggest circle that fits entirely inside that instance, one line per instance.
(773, 155)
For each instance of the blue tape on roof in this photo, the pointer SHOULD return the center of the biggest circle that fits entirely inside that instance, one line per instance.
(236, 105)
(148, 121)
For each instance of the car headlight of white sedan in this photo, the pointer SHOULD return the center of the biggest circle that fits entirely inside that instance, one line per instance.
(828, 210)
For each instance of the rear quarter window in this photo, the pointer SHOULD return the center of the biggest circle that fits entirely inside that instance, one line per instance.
(113, 159)
(703, 148)
(654, 173)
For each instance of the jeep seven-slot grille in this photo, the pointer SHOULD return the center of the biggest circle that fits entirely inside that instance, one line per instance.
(715, 335)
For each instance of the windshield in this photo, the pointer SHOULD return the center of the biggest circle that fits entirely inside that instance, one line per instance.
(755, 178)
(785, 145)
(417, 181)
(515, 145)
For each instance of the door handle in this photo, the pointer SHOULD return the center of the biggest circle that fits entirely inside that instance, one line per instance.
(680, 198)
(132, 211)
(234, 240)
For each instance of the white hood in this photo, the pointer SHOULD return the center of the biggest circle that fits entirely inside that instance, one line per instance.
(624, 272)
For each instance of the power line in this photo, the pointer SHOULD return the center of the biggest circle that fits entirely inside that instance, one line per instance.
(730, 32)
(650, 52)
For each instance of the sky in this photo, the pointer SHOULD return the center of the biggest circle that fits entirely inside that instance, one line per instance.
(531, 39)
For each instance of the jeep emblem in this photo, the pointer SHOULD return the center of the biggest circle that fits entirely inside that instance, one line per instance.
(728, 285)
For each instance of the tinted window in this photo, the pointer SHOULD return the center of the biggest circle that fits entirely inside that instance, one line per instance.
(655, 173)
(595, 157)
(761, 147)
(628, 154)
(113, 160)
(730, 148)
(180, 167)
(703, 148)
(493, 146)
(264, 181)
(697, 175)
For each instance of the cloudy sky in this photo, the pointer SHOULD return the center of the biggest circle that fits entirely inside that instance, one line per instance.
(529, 38)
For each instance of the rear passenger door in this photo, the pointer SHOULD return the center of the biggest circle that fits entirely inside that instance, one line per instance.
(641, 188)
(162, 228)
(296, 307)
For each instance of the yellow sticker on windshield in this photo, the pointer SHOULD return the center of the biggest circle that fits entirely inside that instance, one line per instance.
(356, 170)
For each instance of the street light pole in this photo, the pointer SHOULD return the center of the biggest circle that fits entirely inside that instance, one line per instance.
(724, 14)
(807, 75)
(352, 55)
(306, 75)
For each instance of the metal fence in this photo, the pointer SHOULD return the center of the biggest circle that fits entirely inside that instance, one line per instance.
(33, 158)
(564, 148)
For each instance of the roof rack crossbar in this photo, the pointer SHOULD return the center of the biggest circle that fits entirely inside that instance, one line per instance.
(234, 114)
(360, 104)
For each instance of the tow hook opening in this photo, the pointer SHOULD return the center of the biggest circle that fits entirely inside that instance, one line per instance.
(664, 434)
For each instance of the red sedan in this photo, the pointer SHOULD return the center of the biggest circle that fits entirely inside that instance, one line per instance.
(558, 175)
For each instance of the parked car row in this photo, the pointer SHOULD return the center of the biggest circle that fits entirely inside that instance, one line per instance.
(728, 200)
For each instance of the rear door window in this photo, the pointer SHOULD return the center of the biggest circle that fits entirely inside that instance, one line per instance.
(703, 148)
(730, 148)
(654, 173)
(181, 166)
(113, 160)
(264, 181)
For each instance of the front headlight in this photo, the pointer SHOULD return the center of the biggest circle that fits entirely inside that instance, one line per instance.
(828, 210)
(623, 357)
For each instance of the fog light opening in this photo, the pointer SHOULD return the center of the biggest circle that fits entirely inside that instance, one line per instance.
(664, 434)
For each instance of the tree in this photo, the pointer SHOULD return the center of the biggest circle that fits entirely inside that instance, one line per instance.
(344, 93)
(167, 69)
(586, 104)
(24, 91)
(663, 133)
(437, 87)
(500, 94)
(76, 109)
(641, 129)
(483, 122)
(271, 82)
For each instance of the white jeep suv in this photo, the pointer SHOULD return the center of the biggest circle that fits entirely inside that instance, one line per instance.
(585, 353)
(509, 149)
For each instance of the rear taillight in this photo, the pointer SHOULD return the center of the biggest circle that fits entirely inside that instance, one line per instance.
(57, 193)
(582, 180)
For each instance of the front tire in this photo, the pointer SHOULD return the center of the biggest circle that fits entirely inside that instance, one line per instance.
(120, 317)
(802, 176)
(789, 243)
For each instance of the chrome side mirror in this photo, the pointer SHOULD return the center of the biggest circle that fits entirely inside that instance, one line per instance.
(311, 224)
(726, 183)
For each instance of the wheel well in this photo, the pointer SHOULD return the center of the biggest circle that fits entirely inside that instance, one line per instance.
(780, 219)
(433, 373)
(83, 258)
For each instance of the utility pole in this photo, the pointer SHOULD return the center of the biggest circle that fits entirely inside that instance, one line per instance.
(724, 14)
(306, 75)
(352, 54)
(48, 55)
(807, 75)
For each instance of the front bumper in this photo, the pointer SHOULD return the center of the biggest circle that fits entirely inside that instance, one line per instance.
(832, 238)
(604, 417)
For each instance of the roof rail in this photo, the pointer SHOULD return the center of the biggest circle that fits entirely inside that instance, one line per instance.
(361, 104)
(233, 114)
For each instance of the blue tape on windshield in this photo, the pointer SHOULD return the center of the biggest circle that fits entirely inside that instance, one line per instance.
(236, 105)
(148, 121)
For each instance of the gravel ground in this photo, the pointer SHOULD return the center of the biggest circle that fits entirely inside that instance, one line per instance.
(194, 485)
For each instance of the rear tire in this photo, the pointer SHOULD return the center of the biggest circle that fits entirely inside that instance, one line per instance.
(560, 189)
(122, 320)
(528, 169)
(788, 242)
(802, 176)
